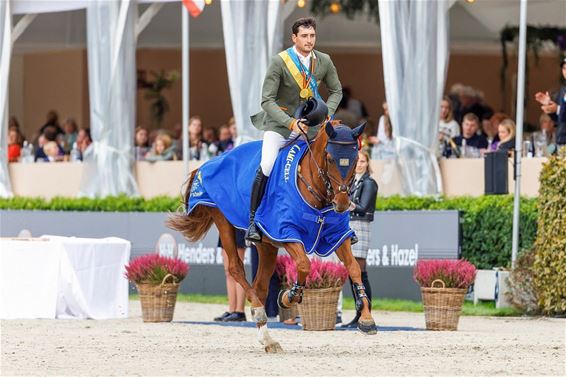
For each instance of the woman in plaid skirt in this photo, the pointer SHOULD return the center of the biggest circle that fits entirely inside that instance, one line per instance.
(363, 196)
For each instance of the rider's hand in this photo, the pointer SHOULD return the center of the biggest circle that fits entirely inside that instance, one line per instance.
(299, 127)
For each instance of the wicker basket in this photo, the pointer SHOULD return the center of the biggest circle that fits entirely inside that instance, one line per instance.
(442, 306)
(158, 301)
(318, 309)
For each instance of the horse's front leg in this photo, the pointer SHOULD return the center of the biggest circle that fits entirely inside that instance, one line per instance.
(366, 323)
(295, 294)
(267, 255)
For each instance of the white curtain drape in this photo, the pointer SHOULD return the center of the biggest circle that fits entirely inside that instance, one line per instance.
(414, 40)
(253, 32)
(111, 43)
(5, 56)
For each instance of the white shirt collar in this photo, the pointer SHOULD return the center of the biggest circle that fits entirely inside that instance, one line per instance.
(305, 60)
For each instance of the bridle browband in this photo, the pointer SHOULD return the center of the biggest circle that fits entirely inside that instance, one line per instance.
(323, 173)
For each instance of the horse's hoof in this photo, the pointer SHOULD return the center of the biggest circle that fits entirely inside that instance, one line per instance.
(274, 348)
(259, 316)
(280, 300)
(367, 327)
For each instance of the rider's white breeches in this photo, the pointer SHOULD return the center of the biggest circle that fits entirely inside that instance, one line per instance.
(272, 143)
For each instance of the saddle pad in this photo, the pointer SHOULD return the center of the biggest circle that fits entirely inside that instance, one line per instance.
(225, 182)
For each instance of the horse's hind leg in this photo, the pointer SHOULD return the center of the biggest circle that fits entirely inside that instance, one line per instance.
(236, 266)
(267, 256)
(366, 323)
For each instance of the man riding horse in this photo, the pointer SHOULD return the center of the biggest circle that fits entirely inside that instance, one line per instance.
(291, 78)
(306, 208)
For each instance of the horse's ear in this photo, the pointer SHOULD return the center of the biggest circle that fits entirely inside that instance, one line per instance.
(356, 132)
(330, 130)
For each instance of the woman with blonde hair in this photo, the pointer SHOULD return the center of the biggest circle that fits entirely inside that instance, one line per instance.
(447, 127)
(163, 150)
(506, 132)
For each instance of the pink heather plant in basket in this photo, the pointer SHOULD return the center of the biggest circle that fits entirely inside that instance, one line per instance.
(454, 273)
(152, 269)
(322, 274)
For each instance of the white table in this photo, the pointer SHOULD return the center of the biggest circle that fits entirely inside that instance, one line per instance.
(63, 277)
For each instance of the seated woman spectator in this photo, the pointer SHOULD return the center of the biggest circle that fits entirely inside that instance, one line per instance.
(52, 152)
(447, 127)
(547, 126)
(49, 134)
(14, 145)
(71, 131)
(506, 132)
(198, 148)
(141, 143)
(385, 149)
(490, 130)
(381, 132)
(162, 149)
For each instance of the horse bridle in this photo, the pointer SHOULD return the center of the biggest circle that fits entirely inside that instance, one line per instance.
(323, 174)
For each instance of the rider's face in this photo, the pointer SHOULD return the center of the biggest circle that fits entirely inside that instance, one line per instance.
(304, 40)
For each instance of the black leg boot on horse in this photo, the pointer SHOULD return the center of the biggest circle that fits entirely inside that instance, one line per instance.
(253, 234)
(358, 299)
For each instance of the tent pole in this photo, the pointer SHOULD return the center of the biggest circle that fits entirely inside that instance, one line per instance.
(519, 122)
(185, 76)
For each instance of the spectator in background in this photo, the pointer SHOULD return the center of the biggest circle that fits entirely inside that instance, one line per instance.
(362, 207)
(49, 134)
(547, 126)
(491, 130)
(448, 127)
(470, 127)
(198, 150)
(225, 141)
(14, 145)
(209, 135)
(381, 134)
(506, 131)
(84, 140)
(556, 107)
(162, 150)
(141, 142)
(52, 121)
(52, 152)
(235, 136)
(352, 104)
(70, 137)
(385, 149)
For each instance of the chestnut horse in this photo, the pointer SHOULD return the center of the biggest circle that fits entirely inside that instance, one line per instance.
(324, 181)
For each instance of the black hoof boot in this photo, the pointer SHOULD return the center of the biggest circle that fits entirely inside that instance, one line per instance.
(367, 327)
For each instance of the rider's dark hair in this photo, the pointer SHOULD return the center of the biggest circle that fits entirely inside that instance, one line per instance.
(306, 22)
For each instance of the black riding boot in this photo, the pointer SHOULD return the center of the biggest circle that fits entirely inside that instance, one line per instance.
(365, 281)
(253, 234)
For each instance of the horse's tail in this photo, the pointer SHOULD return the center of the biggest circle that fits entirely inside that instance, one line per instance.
(193, 226)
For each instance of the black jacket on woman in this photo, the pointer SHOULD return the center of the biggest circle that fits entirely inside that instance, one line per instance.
(364, 195)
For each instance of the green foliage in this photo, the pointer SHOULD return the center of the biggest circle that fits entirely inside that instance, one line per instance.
(487, 221)
(487, 224)
(107, 204)
(550, 259)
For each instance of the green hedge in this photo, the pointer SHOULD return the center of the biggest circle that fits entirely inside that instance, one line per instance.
(487, 221)
(549, 266)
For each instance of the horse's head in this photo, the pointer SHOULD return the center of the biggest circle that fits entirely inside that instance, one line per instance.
(341, 158)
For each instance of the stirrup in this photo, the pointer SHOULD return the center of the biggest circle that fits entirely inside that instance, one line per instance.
(253, 234)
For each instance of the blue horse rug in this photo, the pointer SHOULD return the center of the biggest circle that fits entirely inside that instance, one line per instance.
(226, 181)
